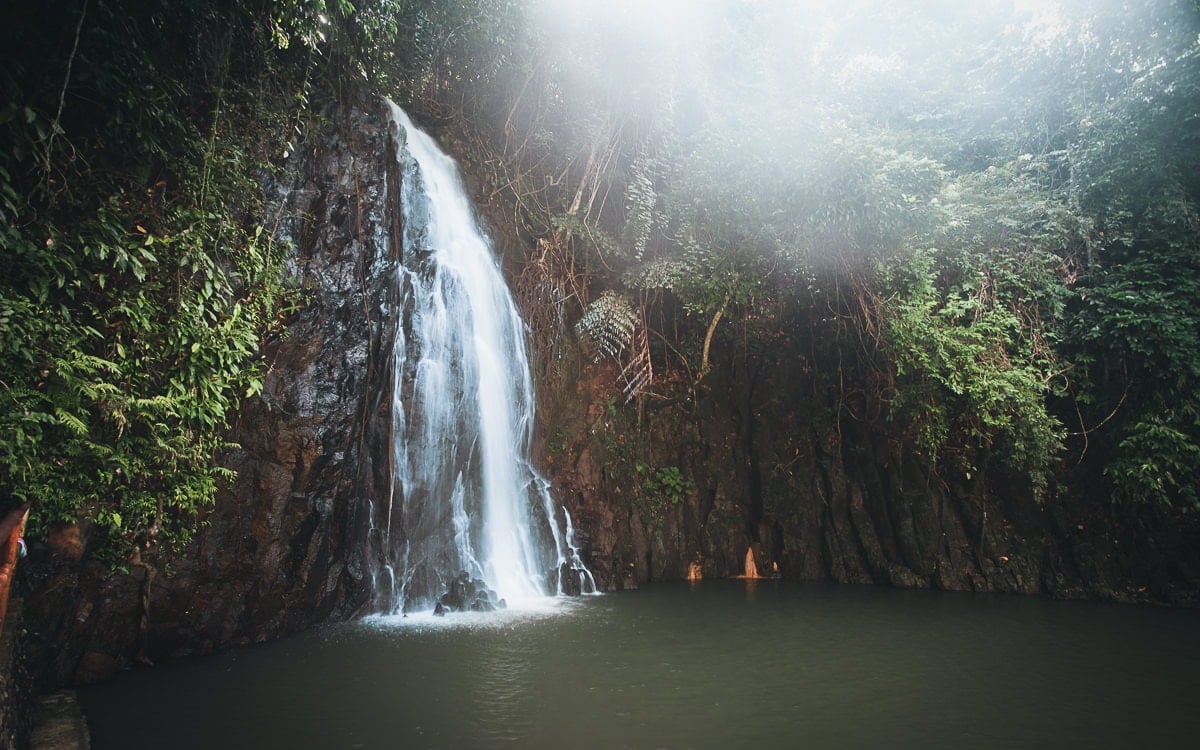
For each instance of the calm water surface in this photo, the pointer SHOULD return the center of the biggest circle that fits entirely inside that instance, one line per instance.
(719, 664)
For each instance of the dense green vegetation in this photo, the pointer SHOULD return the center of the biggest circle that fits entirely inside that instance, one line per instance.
(137, 282)
(986, 212)
(138, 278)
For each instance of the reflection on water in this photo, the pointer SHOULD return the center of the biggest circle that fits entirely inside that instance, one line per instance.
(503, 692)
(708, 664)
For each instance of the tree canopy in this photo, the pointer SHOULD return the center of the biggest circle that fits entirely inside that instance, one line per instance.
(988, 210)
(993, 204)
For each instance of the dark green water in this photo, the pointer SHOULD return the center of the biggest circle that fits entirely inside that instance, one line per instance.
(722, 664)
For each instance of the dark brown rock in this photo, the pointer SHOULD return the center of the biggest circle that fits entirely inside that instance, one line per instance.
(281, 550)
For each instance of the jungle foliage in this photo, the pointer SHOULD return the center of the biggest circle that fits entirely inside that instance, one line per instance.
(985, 212)
(986, 215)
(138, 281)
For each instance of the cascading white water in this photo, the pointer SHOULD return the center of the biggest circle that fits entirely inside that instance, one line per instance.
(587, 584)
(465, 497)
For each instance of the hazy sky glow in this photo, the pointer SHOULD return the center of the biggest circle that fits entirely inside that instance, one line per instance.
(796, 103)
(793, 45)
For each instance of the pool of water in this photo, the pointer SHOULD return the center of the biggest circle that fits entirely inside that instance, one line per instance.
(717, 664)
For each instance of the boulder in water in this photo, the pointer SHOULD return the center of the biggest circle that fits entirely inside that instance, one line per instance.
(570, 581)
(468, 594)
(572, 575)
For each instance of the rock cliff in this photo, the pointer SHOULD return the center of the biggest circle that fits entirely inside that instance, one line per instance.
(276, 554)
(756, 457)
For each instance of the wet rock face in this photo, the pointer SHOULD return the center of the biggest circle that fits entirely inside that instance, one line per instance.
(570, 579)
(820, 501)
(468, 594)
(278, 550)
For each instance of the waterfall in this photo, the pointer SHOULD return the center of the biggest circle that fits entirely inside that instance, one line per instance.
(465, 497)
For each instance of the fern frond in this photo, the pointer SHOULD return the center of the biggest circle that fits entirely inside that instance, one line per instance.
(85, 364)
(607, 326)
(71, 422)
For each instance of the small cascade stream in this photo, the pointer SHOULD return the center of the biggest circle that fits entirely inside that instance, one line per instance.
(464, 495)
